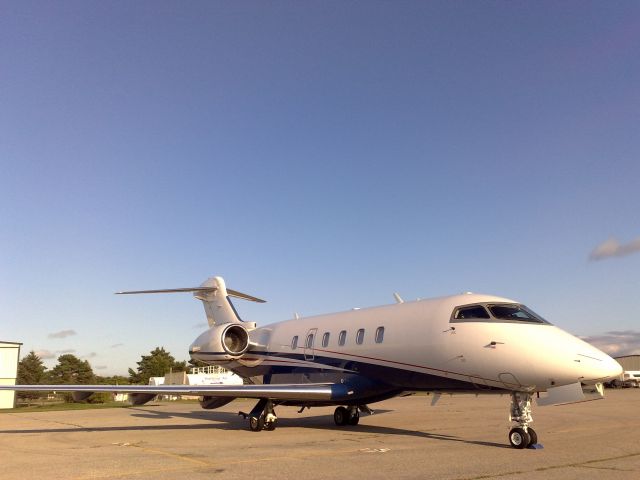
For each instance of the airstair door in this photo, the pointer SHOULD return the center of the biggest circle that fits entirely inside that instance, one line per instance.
(309, 342)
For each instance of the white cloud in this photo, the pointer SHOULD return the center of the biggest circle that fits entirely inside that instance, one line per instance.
(613, 248)
(62, 334)
(45, 354)
(617, 343)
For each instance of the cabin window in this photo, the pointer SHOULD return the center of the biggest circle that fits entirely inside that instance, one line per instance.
(309, 343)
(471, 311)
(325, 339)
(379, 334)
(360, 336)
(342, 338)
(294, 343)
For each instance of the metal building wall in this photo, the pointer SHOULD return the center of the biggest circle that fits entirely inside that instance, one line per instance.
(629, 362)
(9, 355)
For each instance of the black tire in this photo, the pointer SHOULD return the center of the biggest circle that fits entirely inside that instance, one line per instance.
(271, 425)
(354, 419)
(518, 438)
(533, 436)
(341, 416)
(256, 424)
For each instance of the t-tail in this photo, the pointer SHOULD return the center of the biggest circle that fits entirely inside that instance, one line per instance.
(214, 295)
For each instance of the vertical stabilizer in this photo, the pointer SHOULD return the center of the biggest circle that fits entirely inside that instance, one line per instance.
(217, 304)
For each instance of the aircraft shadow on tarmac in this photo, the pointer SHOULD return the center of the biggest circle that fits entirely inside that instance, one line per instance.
(232, 421)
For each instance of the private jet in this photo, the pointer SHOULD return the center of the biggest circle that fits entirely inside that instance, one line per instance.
(467, 343)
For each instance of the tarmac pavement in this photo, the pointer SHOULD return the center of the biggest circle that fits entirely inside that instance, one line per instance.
(462, 437)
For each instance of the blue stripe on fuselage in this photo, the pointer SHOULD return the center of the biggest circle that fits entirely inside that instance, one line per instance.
(294, 368)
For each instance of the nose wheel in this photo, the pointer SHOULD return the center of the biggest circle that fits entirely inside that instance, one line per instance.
(522, 435)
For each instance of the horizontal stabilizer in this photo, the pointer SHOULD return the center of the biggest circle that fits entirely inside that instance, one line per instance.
(214, 295)
(230, 292)
(170, 290)
(244, 296)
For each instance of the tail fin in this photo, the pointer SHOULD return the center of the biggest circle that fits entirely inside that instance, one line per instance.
(214, 295)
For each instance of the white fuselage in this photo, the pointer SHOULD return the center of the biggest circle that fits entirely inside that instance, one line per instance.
(423, 347)
(461, 343)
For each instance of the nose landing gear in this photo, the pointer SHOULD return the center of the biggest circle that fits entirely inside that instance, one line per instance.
(522, 435)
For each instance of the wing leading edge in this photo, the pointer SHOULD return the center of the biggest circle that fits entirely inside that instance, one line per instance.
(292, 392)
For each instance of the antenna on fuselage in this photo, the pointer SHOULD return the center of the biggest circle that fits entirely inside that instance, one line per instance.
(398, 297)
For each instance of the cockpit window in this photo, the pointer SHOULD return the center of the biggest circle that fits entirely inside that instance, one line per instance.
(495, 312)
(472, 311)
(515, 312)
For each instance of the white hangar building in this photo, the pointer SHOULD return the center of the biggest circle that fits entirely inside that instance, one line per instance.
(629, 362)
(9, 355)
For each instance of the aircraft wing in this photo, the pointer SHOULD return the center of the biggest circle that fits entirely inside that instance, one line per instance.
(292, 392)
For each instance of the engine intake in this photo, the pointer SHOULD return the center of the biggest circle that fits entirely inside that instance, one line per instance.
(221, 343)
(235, 340)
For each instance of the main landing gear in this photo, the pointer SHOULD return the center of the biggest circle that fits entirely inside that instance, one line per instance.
(522, 435)
(262, 417)
(349, 415)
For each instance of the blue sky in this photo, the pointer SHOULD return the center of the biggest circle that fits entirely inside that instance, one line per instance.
(321, 155)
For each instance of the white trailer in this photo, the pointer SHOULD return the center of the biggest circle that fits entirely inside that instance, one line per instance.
(628, 379)
(631, 378)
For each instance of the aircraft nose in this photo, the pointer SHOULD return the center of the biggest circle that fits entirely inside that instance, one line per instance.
(612, 369)
(601, 367)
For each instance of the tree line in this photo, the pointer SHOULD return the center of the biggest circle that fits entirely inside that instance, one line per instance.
(71, 370)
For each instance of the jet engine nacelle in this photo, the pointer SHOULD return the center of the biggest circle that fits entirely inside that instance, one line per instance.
(235, 340)
(228, 341)
(209, 403)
